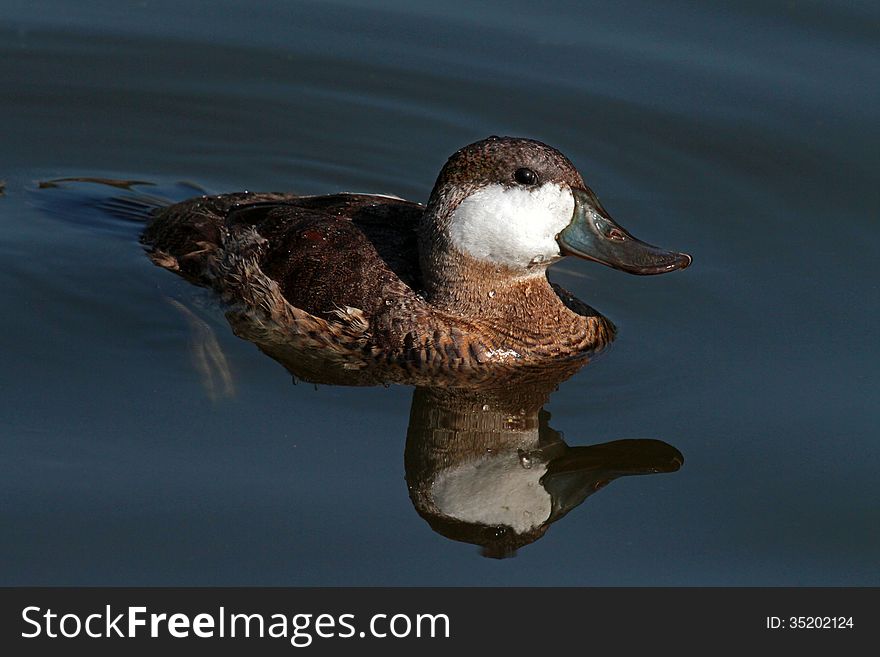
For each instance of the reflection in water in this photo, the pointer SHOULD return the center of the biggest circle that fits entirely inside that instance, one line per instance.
(483, 465)
(207, 355)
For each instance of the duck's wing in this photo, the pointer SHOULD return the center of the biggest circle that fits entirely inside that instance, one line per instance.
(324, 252)
(332, 252)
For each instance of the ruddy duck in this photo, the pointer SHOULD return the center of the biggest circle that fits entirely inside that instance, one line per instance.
(460, 284)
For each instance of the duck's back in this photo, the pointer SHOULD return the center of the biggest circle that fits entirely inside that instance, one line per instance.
(324, 252)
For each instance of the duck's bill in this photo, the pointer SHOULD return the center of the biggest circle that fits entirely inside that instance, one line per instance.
(581, 471)
(593, 235)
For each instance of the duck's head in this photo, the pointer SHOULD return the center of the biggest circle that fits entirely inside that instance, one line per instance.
(517, 205)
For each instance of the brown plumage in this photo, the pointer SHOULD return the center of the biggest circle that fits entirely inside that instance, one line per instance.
(377, 283)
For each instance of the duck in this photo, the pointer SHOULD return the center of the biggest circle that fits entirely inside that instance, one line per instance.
(457, 285)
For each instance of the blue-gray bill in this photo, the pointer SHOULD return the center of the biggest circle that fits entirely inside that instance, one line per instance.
(594, 235)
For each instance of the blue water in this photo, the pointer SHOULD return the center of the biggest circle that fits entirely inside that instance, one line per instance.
(743, 133)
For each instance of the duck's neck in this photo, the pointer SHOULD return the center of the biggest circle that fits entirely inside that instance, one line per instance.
(461, 285)
(522, 310)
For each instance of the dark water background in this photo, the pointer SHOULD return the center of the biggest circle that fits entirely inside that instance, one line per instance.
(744, 133)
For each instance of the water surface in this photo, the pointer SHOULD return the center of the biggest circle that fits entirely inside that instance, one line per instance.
(744, 134)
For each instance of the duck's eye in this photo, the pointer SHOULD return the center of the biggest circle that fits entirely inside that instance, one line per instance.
(525, 176)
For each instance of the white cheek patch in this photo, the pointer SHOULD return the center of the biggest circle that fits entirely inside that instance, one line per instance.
(514, 226)
(495, 490)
